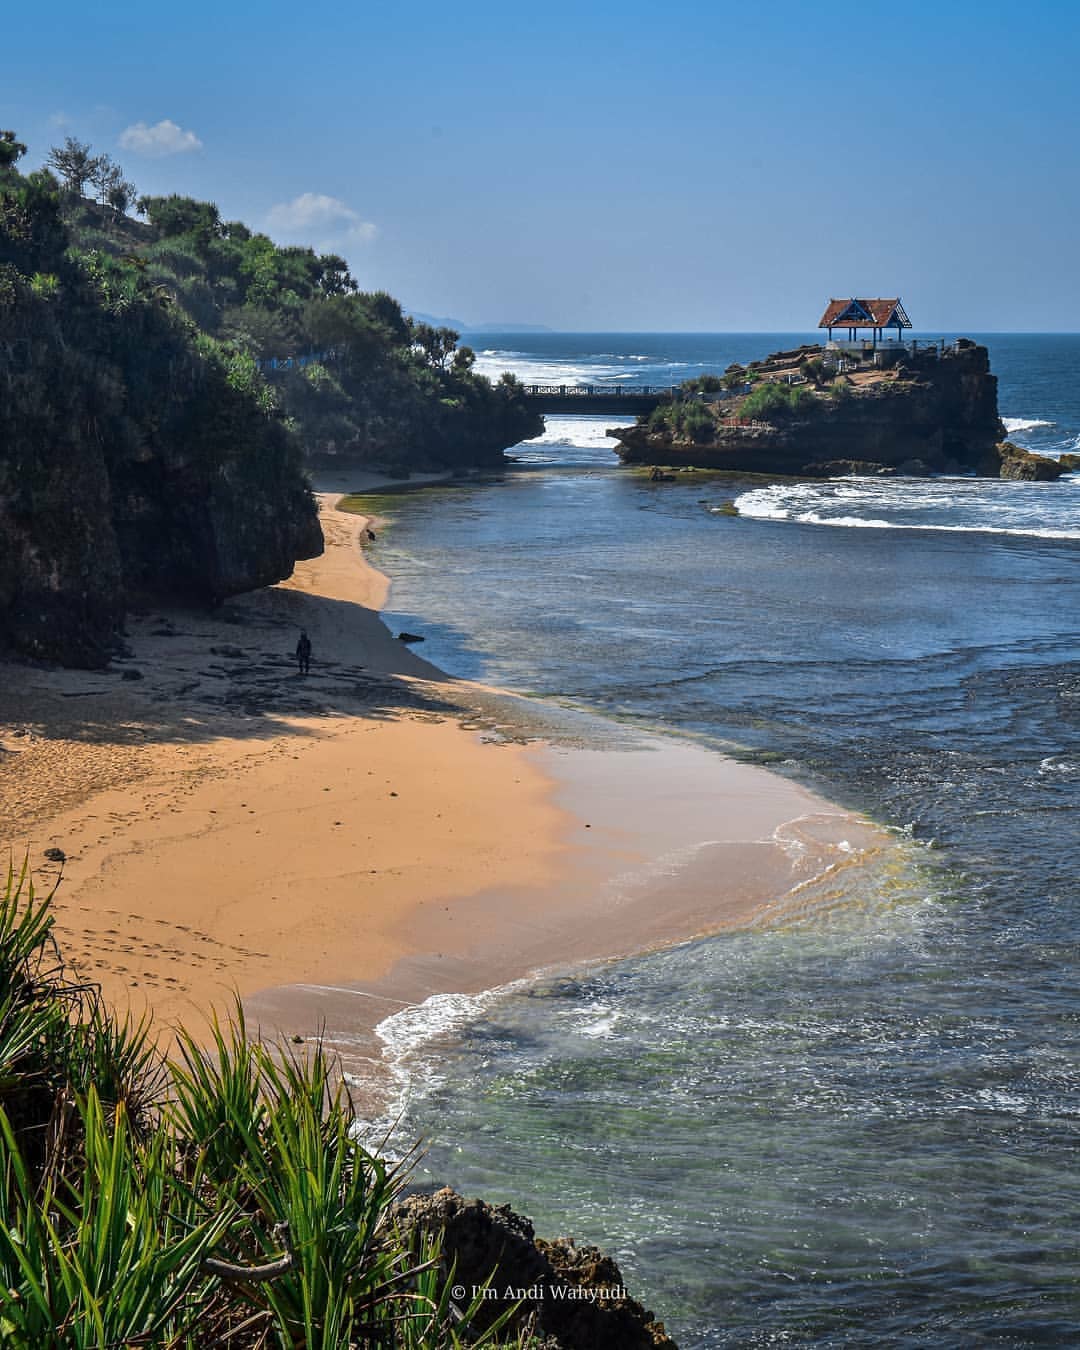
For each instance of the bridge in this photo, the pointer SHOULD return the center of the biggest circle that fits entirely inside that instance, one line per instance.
(614, 400)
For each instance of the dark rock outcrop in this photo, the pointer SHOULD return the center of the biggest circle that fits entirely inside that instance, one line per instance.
(840, 468)
(929, 412)
(122, 482)
(1016, 462)
(574, 1296)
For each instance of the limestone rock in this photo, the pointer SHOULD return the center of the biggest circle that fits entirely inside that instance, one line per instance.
(934, 409)
(1018, 463)
(575, 1295)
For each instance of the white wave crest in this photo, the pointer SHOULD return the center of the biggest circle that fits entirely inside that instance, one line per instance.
(405, 1035)
(976, 507)
(1025, 423)
(861, 523)
(587, 433)
(596, 1020)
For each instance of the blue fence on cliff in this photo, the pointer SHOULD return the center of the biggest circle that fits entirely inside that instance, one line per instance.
(268, 364)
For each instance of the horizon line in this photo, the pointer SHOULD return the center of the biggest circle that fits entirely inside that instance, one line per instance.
(537, 330)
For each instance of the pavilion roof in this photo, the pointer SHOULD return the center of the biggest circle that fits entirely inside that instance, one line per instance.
(852, 313)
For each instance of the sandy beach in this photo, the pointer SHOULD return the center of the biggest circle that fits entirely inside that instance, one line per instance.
(343, 845)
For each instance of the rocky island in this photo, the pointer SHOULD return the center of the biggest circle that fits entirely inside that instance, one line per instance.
(819, 412)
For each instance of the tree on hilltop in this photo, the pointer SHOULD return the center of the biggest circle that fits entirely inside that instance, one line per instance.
(110, 185)
(436, 344)
(336, 279)
(74, 164)
(11, 150)
(121, 195)
(176, 214)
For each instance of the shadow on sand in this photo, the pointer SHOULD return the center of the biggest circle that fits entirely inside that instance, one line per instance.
(191, 676)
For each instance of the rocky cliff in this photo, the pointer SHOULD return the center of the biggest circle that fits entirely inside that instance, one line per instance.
(139, 457)
(803, 413)
(132, 466)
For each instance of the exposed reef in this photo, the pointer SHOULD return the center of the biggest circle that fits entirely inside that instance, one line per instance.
(815, 412)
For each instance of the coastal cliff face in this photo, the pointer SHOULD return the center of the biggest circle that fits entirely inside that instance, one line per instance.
(929, 412)
(132, 512)
(392, 425)
(137, 460)
(139, 457)
(150, 440)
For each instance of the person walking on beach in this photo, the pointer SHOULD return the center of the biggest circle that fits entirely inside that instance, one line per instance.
(303, 653)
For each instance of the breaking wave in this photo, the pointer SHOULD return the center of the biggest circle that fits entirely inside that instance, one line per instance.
(1013, 424)
(950, 506)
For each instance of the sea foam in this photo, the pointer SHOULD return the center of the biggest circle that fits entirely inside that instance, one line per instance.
(1013, 424)
(944, 506)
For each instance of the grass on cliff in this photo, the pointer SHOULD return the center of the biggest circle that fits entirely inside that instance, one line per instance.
(218, 1199)
(771, 401)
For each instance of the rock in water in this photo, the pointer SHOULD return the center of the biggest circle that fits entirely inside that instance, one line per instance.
(1020, 464)
(922, 411)
(576, 1294)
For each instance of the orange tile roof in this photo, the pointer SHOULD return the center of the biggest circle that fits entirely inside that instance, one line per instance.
(881, 314)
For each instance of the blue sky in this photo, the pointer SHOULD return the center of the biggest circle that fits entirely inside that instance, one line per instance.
(674, 166)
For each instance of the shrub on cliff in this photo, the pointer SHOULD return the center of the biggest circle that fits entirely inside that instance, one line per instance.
(683, 420)
(695, 422)
(771, 402)
(813, 367)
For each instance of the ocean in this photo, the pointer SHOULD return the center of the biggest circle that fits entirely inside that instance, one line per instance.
(860, 1127)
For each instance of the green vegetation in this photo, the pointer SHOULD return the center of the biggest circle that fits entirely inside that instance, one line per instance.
(701, 384)
(684, 420)
(217, 1200)
(768, 401)
(688, 418)
(146, 447)
(384, 385)
(814, 369)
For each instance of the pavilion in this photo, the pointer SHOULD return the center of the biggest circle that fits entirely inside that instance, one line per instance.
(859, 315)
